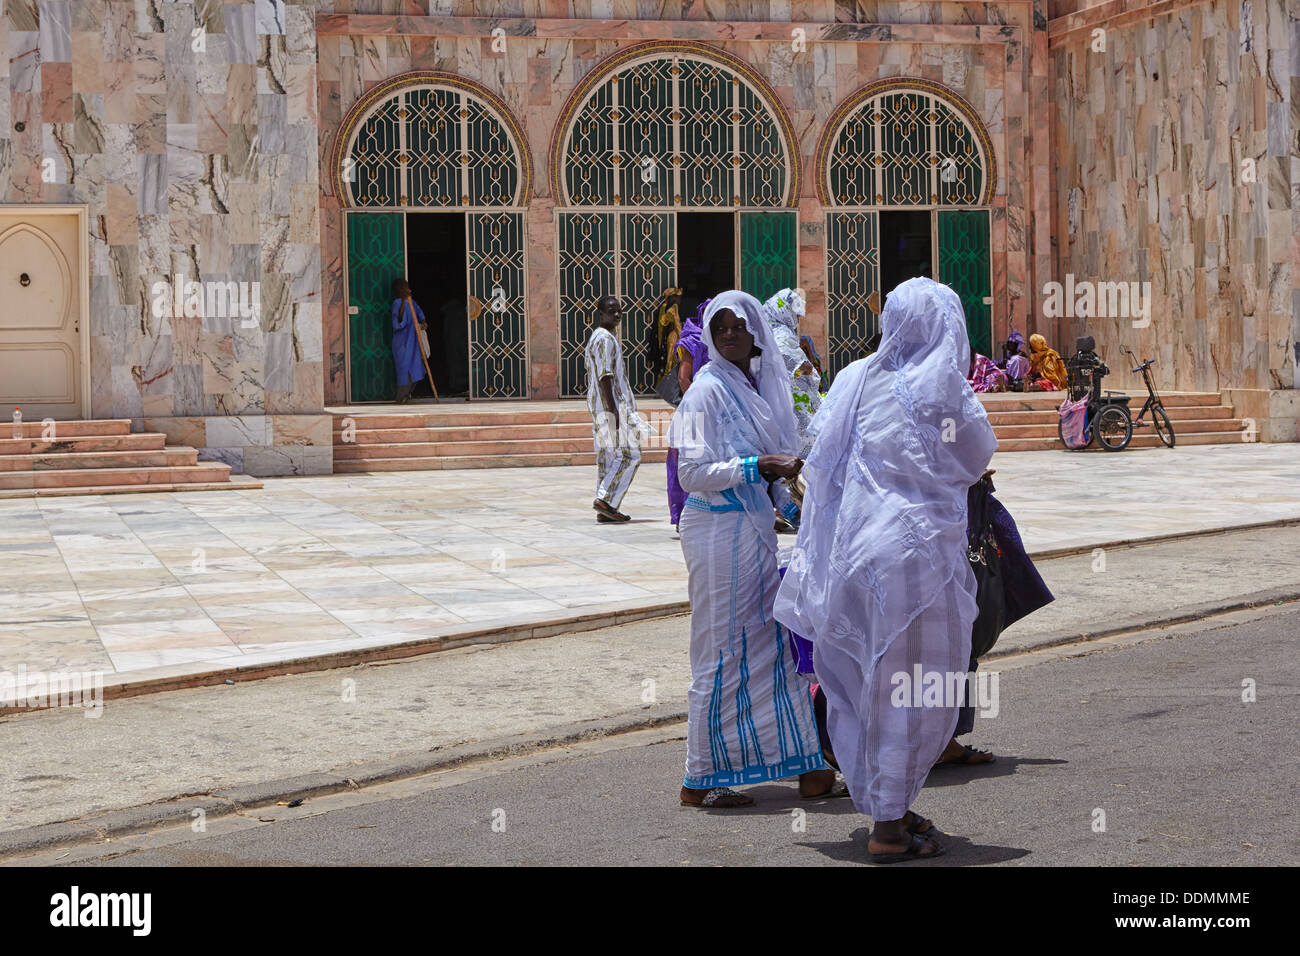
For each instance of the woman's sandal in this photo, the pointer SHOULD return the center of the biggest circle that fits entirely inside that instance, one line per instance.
(968, 755)
(722, 798)
(913, 851)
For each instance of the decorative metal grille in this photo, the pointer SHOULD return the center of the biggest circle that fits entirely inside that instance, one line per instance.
(905, 148)
(588, 270)
(852, 275)
(647, 266)
(498, 334)
(432, 146)
(632, 255)
(679, 131)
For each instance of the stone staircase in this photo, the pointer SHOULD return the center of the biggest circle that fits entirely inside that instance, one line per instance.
(1028, 422)
(518, 434)
(102, 457)
(481, 435)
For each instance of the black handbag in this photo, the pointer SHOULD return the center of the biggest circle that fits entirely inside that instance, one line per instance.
(986, 563)
(669, 389)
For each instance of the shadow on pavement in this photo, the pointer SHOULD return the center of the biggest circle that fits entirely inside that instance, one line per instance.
(960, 852)
(956, 775)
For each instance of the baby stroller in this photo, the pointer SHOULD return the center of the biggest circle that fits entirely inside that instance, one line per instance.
(1087, 413)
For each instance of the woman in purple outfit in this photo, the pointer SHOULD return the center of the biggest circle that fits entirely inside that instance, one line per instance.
(692, 355)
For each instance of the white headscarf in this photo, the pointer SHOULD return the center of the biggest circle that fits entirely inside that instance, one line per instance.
(771, 409)
(898, 441)
(721, 416)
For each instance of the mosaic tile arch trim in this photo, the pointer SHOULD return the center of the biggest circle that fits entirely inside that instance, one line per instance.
(427, 138)
(905, 141)
(709, 132)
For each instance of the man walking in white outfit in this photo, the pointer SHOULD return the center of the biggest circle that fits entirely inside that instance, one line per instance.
(613, 412)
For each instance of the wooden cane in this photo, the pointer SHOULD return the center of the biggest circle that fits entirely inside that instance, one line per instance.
(424, 358)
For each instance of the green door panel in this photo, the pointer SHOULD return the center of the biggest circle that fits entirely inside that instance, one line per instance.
(769, 252)
(498, 334)
(852, 275)
(964, 265)
(376, 256)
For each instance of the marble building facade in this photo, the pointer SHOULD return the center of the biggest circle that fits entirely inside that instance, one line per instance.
(213, 160)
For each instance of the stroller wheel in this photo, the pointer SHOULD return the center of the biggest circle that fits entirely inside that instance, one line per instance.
(1113, 428)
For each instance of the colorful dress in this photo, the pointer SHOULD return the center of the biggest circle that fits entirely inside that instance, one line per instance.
(406, 344)
(986, 376)
(783, 311)
(689, 346)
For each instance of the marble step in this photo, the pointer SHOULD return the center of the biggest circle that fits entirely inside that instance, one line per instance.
(498, 432)
(165, 488)
(351, 466)
(142, 478)
(1176, 413)
(533, 446)
(173, 456)
(72, 429)
(467, 419)
(136, 441)
(1140, 440)
(1191, 426)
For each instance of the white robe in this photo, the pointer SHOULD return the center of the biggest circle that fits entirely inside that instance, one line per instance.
(879, 580)
(750, 717)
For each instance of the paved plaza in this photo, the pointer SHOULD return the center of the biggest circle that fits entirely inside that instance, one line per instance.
(146, 587)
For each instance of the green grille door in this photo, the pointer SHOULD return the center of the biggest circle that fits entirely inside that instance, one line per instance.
(769, 252)
(852, 275)
(587, 271)
(498, 334)
(647, 266)
(376, 256)
(964, 265)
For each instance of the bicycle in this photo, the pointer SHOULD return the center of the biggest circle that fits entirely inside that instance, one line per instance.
(1159, 418)
(1107, 418)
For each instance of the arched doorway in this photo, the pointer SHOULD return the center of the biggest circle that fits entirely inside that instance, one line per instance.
(672, 165)
(906, 172)
(433, 173)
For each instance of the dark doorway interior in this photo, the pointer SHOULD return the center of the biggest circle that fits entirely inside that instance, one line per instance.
(435, 260)
(905, 248)
(706, 257)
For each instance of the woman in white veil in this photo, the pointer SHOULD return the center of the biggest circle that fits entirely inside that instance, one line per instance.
(880, 581)
(750, 718)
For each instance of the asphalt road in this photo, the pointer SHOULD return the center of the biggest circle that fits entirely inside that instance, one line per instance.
(1150, 730)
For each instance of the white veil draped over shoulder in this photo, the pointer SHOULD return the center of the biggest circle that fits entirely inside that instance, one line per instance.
(898, 441)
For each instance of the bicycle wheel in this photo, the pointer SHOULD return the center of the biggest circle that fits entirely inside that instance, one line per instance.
(1113, 428)
(1164, 428)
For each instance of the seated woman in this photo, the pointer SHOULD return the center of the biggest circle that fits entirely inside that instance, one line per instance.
(1046, 370)
(984, 375)
(1014, 361)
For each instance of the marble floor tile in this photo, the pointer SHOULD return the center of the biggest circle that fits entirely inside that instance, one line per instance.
(327, 563)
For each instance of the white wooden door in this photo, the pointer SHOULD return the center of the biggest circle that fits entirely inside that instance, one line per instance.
(40, 316)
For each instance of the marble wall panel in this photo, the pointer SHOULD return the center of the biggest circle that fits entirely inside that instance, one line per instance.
(185, 148)
(1173, 163)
